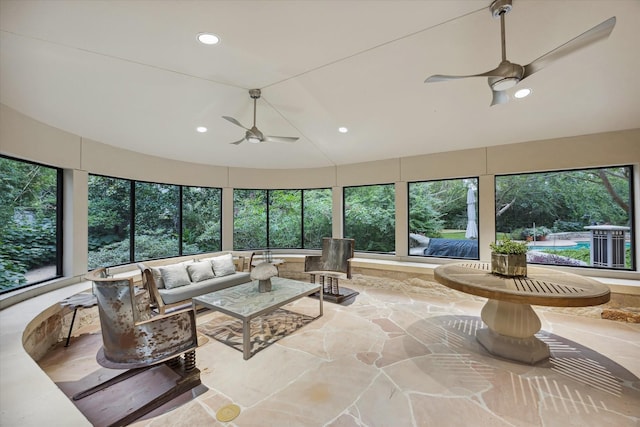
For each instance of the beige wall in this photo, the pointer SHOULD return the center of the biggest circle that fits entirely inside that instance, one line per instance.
(25, 138)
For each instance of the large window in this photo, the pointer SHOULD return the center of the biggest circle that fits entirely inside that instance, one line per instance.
(249, 219)
(370, 217)
(169, 220)
(576, 218)
(30, 223)
(157, 221)
(317, 216)
(109, 221)
(285, 219)
(443, 218)
(290, 219)
(201, 220)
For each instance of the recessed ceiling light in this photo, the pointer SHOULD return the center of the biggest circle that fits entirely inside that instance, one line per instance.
(343, 129)
(201, 129)
(522, 92)
(208, 38)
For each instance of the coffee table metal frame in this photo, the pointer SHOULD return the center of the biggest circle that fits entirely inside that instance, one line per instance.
(245, 302)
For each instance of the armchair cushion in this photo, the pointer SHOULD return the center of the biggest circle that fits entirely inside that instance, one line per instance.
(200, 271)
(175, 276)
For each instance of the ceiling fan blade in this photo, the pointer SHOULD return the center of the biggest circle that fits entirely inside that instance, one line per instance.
(237, 142)
(235, 122)
(599, 32)
(496, 72)
(281, 138)
(499, 97)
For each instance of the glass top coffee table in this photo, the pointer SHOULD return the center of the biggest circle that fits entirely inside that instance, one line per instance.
(245, 302)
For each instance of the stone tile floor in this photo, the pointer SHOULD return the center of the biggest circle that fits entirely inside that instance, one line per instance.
(400, 354)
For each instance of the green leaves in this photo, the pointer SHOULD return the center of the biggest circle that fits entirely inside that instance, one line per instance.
(508, 247)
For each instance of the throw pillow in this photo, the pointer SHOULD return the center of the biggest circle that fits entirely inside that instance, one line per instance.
(223, 265)
(175, 276)
(200, 271)
(157, 277)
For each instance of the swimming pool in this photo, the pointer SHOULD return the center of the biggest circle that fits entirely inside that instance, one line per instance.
(578, 245)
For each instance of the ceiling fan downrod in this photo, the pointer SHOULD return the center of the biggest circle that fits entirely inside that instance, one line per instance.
(498, 9)
(254, 94)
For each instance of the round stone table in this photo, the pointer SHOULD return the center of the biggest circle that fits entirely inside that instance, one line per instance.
(511, 322)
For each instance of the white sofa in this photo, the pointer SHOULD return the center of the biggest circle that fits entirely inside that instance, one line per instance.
(174, 284)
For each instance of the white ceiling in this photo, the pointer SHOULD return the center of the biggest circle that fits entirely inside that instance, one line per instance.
(132, 74)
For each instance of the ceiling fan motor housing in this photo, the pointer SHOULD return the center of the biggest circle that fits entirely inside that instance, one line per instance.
(498, 7)
(254, 93)
(509, 75)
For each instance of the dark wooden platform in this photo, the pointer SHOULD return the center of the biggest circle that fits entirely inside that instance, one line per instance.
(136, 393)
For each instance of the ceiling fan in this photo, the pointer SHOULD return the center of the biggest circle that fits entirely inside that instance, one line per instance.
(254, 135)
(508, 74)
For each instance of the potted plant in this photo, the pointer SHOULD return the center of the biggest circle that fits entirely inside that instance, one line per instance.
(509, 258)
(536, 233)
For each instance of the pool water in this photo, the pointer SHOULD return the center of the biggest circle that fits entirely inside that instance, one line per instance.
(579, 245)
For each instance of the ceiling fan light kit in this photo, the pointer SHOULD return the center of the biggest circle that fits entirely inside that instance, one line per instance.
(253, 134)
(507, 74)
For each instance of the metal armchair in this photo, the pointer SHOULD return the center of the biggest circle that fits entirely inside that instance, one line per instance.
(136, 340)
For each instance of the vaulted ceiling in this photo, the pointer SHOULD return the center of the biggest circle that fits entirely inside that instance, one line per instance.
(132, 74)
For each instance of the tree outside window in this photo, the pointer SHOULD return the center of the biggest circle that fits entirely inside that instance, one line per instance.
(30, 223)
(551, 211)
(370, 217)
(157, 220)
(109, 219)
(201, 220)
(443, 218)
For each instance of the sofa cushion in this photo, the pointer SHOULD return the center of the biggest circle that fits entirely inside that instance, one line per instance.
(171, 296)
(223, 265)
(175, 276)
(200, 271)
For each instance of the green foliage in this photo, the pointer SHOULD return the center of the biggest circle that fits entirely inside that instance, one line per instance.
(156, 245)
(28, 203)
(285, 218)
(112, 254)
(454, 234)
(572, 198)
(438, 205)
(12, 273)
(508, 247)
(317, 217)
(249, 219)
(537, 232)
(369, 213)
(560, 226)
(201, 220)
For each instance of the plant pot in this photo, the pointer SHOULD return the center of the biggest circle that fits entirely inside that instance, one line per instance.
(509, 265)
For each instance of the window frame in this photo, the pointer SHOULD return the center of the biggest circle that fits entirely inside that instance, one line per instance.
(132, 215)
(477, 185)
(344, 215)
(632, 213)
(59, 221)
(268, 192)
